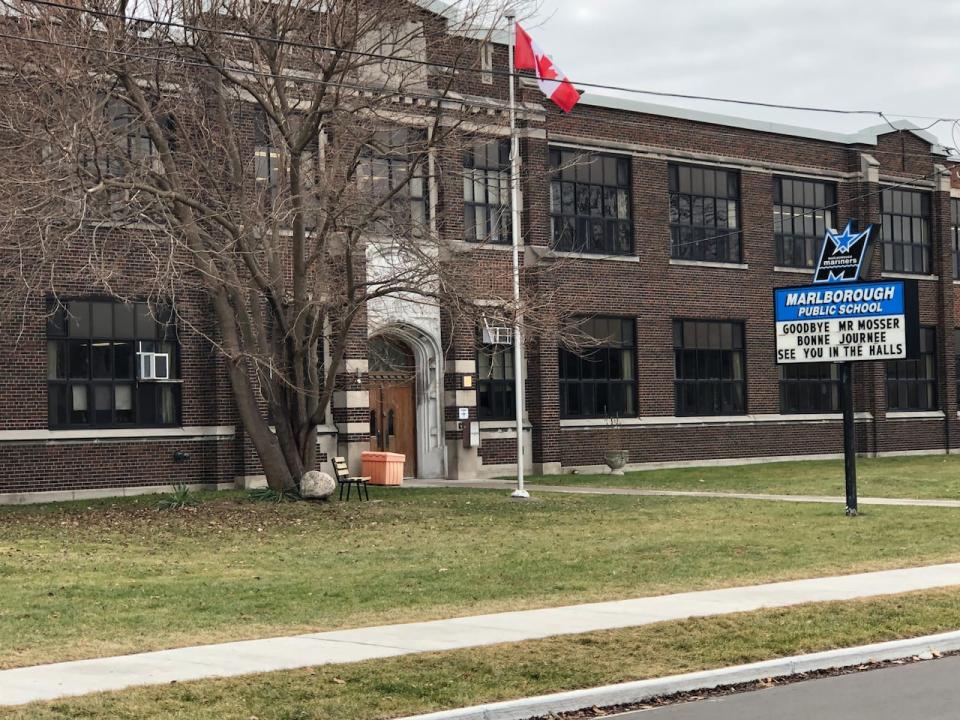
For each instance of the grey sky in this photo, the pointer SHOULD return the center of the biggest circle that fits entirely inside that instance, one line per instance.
(890, 55)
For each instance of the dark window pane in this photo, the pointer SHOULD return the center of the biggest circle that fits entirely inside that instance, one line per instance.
(703, 215)
(596, 380)
(123, 404)
(102, 404)
(57, 321)
(905, 230)
(56, 359)
(101, 314)
(101, 369)
(123, 320)
(912, 384)
(799, 220)
(709, 373)
(79, 361)
(101, 359)
(582, 214)
(57, 404)
(79, 318)
(147, 404)
(146, 325)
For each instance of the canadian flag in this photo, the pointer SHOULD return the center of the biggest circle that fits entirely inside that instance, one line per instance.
(527, 55)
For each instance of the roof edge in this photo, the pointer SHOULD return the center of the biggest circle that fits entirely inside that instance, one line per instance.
(867, 136)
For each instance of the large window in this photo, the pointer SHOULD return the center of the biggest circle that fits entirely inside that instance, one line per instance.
(486, 192)
(495, 382)
(905, 231)
(809, 388)
(802, 212)
(709, 359)
(955, 234)
(597, 377)
(266, 155)
(590, 202)
(704, 213)
(95, 368)
(912, 384)
(391, 174)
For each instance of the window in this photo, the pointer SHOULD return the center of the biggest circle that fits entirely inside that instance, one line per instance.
(94, 354)
(704, 213)
(597, 380)
(128, 151)
(486, 192)
(709, 358)
(809, 388)
(590, 203)
(136, 144)
(266, 156)
(955, 234)
(802, 212)
(391, 170)
(486, 63)
(495, 382)
(912, 384)
(905, 230)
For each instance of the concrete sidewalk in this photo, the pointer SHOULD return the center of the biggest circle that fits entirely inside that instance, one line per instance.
(596, 490)
(47, 682)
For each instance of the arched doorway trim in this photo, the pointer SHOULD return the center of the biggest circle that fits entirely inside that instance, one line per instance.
(431, 449)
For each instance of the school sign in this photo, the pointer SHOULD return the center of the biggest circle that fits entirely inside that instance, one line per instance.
(846, 322)
(841, 319)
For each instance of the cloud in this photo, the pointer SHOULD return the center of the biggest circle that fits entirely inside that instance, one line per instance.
(883, 54)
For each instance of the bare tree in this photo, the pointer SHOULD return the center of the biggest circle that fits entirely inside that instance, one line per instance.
(278, 158)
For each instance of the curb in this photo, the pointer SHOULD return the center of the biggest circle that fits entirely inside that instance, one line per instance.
(640, 690)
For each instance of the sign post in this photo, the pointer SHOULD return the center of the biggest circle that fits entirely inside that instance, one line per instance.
(849, 446)
(842, 320)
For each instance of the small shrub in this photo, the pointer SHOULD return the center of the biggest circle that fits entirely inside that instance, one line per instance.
(275, 496)
(181, 497)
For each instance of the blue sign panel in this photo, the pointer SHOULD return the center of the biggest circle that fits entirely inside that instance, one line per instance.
(841, 256)
(873, 299)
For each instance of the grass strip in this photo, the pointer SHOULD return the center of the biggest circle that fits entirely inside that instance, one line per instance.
(395, 687)
(920, 477)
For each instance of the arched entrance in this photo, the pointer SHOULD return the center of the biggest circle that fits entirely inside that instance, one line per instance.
(393, 393)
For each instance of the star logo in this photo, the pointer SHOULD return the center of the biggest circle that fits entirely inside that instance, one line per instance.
(842, 242)
(841, 255)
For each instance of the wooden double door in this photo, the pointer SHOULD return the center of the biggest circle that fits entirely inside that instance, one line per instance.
(393, 419)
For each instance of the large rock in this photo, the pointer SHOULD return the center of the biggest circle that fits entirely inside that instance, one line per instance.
(316, 485)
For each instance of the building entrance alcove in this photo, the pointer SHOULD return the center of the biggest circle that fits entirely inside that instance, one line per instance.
(393, 392)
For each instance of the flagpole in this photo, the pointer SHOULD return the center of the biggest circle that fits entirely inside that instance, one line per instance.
(520, 492)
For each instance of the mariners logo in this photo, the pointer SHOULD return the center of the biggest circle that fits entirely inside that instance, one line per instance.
(842, 255)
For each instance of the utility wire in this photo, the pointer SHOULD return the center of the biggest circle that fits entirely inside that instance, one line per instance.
(627, 125)
(807, 212)
(459, 68)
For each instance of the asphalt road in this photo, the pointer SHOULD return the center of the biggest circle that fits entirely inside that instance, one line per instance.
(928, 690)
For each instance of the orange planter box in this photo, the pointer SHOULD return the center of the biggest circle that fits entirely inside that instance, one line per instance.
(383, 468)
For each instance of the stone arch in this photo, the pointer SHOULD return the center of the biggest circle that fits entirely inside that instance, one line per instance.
(428, 357)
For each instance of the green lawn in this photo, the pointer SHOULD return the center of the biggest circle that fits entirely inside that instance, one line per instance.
(927, 476)
(91, 579)
(402, 686)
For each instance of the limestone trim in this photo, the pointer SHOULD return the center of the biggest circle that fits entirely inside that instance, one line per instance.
(604, 423)
(174, 433)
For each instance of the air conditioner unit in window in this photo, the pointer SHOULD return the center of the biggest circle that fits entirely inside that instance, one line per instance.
(154, 366)
(497, 335)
